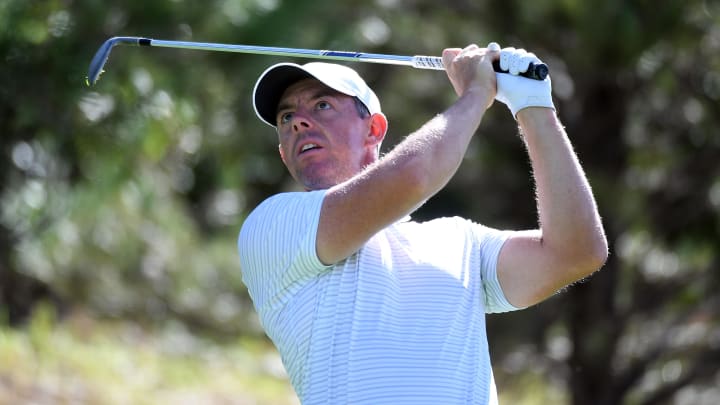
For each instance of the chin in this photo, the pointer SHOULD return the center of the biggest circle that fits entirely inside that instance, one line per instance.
(323, 179)
(319, 184)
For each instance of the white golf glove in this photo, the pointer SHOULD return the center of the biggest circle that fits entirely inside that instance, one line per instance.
(518, 92)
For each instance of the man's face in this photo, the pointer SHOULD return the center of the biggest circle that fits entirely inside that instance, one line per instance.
(323, 139)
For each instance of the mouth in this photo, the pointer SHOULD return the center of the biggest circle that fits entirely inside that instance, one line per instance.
(308, 147)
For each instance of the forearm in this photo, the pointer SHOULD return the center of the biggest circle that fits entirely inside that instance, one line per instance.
(433, 153)
(568, 215)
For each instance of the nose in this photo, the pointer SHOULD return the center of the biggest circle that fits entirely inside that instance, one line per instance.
(300, 122)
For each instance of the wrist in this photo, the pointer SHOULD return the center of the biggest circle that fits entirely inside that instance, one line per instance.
(481, 95)
(536, 115)
(537, 120)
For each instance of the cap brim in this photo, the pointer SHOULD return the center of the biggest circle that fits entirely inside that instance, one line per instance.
(271, 86)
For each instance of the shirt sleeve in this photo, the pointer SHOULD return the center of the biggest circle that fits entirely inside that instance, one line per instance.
(490, 242)
(277, 246)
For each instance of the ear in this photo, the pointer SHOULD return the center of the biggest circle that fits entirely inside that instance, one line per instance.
(378, 129)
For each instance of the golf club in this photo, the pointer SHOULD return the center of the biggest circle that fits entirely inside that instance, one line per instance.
(534, 71)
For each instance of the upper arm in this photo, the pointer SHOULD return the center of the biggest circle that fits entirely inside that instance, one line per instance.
(530, 271)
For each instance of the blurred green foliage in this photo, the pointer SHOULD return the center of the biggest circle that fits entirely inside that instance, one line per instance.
(85, 361)
(124, 200)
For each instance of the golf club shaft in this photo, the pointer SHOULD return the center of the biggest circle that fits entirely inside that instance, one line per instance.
(538, 72)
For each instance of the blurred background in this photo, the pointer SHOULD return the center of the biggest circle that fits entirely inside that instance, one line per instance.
(120, 203)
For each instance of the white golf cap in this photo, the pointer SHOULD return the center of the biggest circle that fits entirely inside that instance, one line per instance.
(277, 78)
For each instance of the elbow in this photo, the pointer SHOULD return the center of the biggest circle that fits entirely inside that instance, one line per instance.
(581, 257)
(592, 256)
(599, 251)
(602, 252)
(596, 260)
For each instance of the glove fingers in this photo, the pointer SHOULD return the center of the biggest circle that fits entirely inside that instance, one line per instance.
(533, 58)
(524, 61)
(505, 56)
(516, 61)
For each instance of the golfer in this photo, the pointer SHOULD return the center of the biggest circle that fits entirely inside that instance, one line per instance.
(367, 306)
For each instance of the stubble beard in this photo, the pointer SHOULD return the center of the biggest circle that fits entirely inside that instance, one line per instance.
(324, 177)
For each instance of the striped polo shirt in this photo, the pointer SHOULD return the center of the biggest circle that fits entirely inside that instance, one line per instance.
(402, 321)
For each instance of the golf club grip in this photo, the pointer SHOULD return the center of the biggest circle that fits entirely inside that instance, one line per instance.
(535, 71)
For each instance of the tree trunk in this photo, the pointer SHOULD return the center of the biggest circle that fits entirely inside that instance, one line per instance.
(593, 321)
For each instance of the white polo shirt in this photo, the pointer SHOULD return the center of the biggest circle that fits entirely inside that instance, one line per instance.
(402, 321)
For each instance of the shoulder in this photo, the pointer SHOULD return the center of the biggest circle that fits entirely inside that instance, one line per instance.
(278, 216)
(280, 206)
(290, 199)
(281, 215)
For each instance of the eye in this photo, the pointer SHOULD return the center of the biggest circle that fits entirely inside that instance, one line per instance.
(285, 117)
(323, 105)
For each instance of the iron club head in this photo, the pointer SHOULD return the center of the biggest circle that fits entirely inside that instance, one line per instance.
(101, 56)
